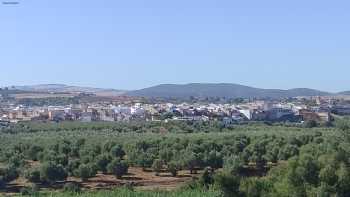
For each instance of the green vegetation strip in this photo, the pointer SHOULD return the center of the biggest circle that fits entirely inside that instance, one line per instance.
(128, 193)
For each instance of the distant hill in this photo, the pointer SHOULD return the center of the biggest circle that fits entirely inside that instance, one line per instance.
(183, 91)
(61, 88)
(221, 90)
(346, 93)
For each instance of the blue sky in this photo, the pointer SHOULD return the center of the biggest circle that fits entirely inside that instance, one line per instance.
(134, 44)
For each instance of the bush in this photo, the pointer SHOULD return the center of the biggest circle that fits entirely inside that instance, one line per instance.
(233, 164)
(228, 184)
(207, 177)
(72, 187)
(310, 124)
(34, 152)
(8, 174)
(51, 172)
(30, 191)
(173, 167)
(102, 162)
(85, 172)
(214, 160)
(33, 175)
(343, 124)
(144, 160)
(118, 168)
(73, 165)
(117, 151)
(16, 161)
(2, 182)
(254, 187)
(157, 166)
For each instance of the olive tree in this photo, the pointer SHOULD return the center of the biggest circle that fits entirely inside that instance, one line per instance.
(118, 168)
(51, 172)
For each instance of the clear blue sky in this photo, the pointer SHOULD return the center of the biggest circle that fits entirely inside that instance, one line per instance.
(131, 44)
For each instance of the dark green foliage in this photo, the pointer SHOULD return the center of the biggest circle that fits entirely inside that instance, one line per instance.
(207, 177)
(343, 184)
(85, 172)
(328, 175)
(34, 152)
(33, 175)
(2, 182)
(191, 161)
(254, 187)
(7, 175)
(157, 166)
(343, 124)
(144, 160)
(233, 164)
(33, 190)
(310, 124)
(228, 184)
(102, 162)
(16, 161)
(287, 152)
(257, 159)
(108, 145)
(213, 159)
(51, 172)
(72, 187)
(73, 164)
(117, 151)
(55, 101)
(118, 168)
(173, 168)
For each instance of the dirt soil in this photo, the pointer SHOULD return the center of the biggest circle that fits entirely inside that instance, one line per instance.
(139, 179)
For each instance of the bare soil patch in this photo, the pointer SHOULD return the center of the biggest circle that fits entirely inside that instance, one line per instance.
(139, 179)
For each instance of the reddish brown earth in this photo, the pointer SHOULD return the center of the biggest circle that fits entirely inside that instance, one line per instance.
(143, 180)
(138, 178)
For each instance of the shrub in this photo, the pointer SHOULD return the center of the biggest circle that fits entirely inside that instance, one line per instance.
(33, 175)
(8, 174)
(34, 152)
(228, 184)
(117, 151)
(51, 172)
(233, 164)
(157, 166)
(207, 177)
(2, 182)
(72, 187)
(85, 172)
(118, 168)
(30, 191)
(310, 124)
(102, 162)
(173, 167)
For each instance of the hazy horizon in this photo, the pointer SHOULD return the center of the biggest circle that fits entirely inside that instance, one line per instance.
(67, 84)
(137, 44)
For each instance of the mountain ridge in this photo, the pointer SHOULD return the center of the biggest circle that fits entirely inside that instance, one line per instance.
(63, 88)
(229, 90)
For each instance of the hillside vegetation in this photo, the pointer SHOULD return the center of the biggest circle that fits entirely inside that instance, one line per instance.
(240, 160)
(226, 90)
